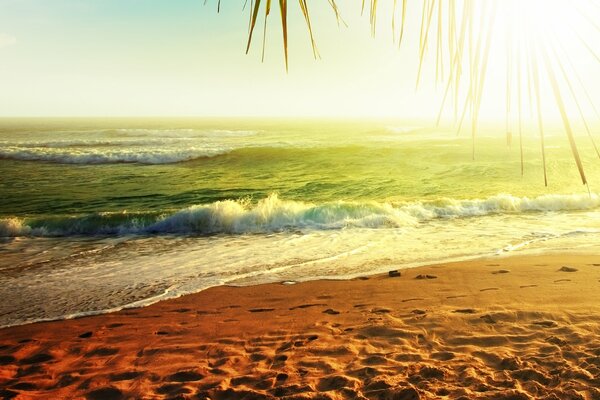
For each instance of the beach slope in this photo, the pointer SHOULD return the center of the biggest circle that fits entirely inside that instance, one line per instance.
(498, 328)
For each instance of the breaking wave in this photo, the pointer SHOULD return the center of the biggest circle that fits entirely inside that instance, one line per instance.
(145, 146)
(109, 156)
(273, 214)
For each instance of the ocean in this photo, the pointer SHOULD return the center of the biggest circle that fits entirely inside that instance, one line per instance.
(97, 215)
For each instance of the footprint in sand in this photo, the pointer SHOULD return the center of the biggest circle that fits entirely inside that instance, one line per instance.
(171, 389)
(104, 394)
(412, 299)
(465, 311)
(5, 360)
(124, 376)
(555, 340)
(308, 305)
(488, 289)
(562, 280)
(259, 310)
(419, 312)
(37, 358)
(545, 324)
(500, 271)
(285, 347)
(460, 296)
(565, 268)
(488, 319)
(65, 380)
(527, 286)
(102, 352)
(279, 361)
(336, 382)
(381, 311)
(256, 357)
(422, 276)
(331, 311)
(205, 312)
(443, 356)
(25, 386)
(185, 376)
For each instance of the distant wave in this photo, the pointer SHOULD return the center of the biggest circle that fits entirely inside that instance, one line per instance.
(63, 144)
(165, 155)
(182, 132)
(146, 133)
(147, 146)
(273, 214)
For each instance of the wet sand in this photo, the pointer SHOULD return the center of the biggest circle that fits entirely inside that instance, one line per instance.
(499, 328)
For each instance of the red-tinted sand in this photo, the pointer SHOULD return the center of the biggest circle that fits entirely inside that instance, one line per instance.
(506, 328)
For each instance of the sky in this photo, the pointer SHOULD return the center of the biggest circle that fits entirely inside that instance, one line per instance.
(182, 58)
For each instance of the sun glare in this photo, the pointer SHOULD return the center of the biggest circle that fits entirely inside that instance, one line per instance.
(531, 50)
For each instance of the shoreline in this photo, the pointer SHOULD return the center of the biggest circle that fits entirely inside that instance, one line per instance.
(334, 278)
(445, 330)
(482, 258)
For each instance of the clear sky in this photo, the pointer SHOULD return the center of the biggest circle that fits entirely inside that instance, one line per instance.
(181, 58)
(155, 57)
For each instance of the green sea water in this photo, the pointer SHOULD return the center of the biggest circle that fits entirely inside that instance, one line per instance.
(129, 211)
(82, 166)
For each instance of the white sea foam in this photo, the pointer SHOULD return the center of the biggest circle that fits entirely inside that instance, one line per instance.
(93, 142)
(13, 227)
(146, 146)
(167, 155)
(273, 214)
(172, 133)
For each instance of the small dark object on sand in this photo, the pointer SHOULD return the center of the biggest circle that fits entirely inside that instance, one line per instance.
(501, 271)
(568, 269)
(394, 273)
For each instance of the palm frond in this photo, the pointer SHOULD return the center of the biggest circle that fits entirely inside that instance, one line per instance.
(461, 34)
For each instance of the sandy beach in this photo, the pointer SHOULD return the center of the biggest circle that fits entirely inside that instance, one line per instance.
(501, 328)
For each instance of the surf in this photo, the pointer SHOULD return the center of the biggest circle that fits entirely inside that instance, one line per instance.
(274, 214)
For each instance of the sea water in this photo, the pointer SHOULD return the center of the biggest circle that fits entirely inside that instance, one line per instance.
(97, 215)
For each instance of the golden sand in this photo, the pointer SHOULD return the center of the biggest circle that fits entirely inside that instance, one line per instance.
(502, 328)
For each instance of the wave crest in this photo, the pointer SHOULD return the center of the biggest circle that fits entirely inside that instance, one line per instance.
(273, 214)
(102, 156)
(145, 146)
